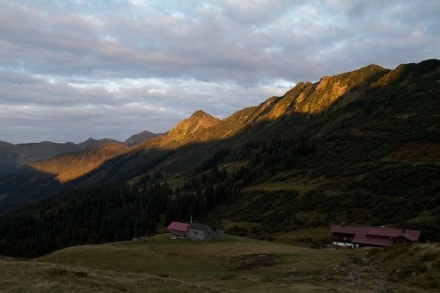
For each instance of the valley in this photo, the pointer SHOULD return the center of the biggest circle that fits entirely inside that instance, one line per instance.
(359, 147)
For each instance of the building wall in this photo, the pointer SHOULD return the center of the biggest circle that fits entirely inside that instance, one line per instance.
(196, 234)
(205, 233)
(343, 237)
(178, 234)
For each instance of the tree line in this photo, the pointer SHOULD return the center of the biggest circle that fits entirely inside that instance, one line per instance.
(103, 213)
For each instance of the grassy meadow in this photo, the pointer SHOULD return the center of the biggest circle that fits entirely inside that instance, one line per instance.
(235, 264)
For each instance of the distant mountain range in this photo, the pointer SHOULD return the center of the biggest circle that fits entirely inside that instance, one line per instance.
(139, 138)
(361, 146)
(15, 156)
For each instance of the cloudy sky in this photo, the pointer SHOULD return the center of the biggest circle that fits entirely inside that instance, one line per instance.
(70, 70)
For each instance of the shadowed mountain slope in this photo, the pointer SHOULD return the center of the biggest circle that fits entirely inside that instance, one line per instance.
(317, 128)
(15, 156)
(12, 156)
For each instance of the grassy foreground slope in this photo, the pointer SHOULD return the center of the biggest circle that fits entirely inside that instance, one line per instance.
(235, 264)
(30, 276)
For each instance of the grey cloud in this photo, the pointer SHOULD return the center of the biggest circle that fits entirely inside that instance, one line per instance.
(95, 111)
(74, 64)
(25, 89)
(77, 124)
(156, 45)
(210, 44)
(253, 12)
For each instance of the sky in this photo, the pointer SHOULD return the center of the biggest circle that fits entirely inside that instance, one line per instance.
(70, 70)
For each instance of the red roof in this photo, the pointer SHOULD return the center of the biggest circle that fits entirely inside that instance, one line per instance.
(177, 226)
(376, 241)
(380, 236)
(411, 235)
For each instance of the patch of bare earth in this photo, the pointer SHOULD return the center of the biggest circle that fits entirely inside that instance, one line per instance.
(255, 261)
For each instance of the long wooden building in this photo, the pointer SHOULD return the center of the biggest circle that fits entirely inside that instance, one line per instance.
(374, 236)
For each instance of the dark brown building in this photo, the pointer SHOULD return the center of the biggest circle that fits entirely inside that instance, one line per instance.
(374, 236)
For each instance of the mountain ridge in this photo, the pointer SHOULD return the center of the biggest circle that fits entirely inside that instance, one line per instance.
(354, 108)
(16, 156)
(91, 142)
(139, 138)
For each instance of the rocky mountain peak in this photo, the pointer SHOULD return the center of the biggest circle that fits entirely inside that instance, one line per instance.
(200, 113)
(195, 124)
(202, 117)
